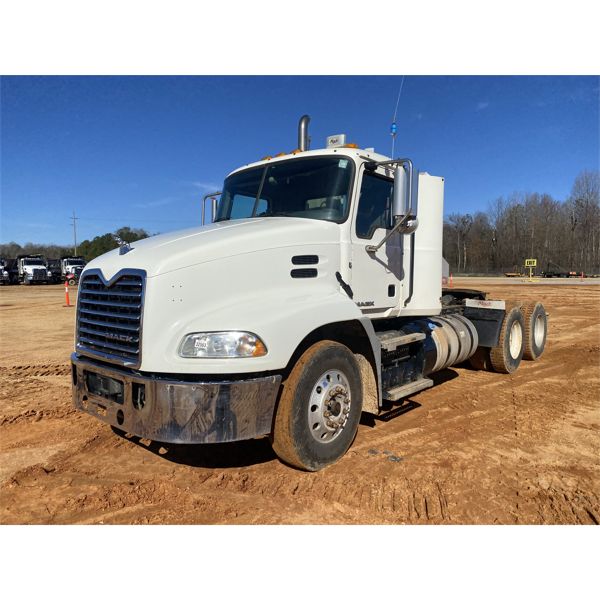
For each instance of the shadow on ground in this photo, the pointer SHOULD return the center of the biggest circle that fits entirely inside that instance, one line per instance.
(212, 456)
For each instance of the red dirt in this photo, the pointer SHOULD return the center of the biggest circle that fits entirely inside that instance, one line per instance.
(478, 447)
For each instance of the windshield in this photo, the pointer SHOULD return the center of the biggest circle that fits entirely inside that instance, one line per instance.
(33, 261)
(309, 188)
(75, 263)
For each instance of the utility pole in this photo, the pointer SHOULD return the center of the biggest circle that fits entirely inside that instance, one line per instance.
(74, 219)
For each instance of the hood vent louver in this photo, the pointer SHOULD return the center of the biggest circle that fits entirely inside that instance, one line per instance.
(303, 273)
(305, 259)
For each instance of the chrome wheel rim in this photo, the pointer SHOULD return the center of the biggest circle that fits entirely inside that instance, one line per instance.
(329, 406)
(515, 340)
(538, 331)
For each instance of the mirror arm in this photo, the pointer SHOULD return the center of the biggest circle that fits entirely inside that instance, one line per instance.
(213, 196)
(396, 227)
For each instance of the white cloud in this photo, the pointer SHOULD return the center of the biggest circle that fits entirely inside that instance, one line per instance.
(482, 105)
(206, 186)
(154, 203)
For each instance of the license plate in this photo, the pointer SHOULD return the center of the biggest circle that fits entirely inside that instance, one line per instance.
(105, 387)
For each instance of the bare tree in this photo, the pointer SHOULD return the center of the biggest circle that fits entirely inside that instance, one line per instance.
(530, 225)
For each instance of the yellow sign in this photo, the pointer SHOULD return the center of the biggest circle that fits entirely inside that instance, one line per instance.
(531, 262)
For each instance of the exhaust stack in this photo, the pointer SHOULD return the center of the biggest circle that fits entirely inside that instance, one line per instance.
(303, 140)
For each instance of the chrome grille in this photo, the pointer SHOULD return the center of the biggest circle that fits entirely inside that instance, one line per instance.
(109, 316)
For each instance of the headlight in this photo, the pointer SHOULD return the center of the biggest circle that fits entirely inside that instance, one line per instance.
(222, 344)
(49, 273)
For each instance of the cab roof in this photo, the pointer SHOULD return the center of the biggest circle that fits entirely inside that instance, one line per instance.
(357, 154)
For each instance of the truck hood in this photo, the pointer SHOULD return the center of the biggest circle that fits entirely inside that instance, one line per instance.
(180, 249)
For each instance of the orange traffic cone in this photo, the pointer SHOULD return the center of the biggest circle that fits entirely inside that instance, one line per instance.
(68, 304)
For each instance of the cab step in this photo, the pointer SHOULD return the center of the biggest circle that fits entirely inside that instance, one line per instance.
(401, 391)
(390, 340)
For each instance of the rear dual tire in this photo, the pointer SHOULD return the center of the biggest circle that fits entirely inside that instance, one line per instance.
(506, 356)
(536, 329)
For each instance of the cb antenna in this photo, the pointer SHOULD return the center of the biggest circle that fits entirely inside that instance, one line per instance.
(394, 126)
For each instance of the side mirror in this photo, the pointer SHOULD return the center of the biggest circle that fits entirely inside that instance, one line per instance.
(405, 190)
(404, 201)
(401, 192)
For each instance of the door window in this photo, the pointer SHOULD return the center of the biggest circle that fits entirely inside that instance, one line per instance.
(374, 205)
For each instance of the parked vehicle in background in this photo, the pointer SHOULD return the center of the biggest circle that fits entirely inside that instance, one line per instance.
(8, 271)
(33, 268)
(555, 270)
(54, 268)
(66, 268)
(71, 268)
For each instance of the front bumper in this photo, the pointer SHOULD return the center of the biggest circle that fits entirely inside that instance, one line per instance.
(169, 410)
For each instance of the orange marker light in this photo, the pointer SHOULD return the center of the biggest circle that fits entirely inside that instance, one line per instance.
(259, 349)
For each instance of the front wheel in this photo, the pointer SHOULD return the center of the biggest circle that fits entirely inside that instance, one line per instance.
(319, 409)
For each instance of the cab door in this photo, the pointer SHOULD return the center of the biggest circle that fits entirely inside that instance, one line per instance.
(376, 277)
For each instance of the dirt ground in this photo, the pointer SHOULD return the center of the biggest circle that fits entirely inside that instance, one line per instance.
(478, 447)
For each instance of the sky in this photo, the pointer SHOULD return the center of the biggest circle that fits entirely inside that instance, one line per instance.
(141, 151)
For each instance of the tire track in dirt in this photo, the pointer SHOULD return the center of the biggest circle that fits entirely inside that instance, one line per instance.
(513, 395)
(396, 501)
(43, 370)
(35, 416)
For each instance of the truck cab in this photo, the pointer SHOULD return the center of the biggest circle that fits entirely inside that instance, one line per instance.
(71, 268)
(315, 294)
(33, 268)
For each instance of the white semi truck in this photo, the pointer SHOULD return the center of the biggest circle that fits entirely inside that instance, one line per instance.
(71, 268)
(314, 295)
(66, 269)
(33, 268)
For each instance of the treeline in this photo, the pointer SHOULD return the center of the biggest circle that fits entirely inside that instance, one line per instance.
(565, 234)
(89, 249)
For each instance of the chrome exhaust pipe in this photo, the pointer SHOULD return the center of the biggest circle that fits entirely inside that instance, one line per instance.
(303, 142)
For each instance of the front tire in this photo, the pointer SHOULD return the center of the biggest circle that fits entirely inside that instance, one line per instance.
(319, 409)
